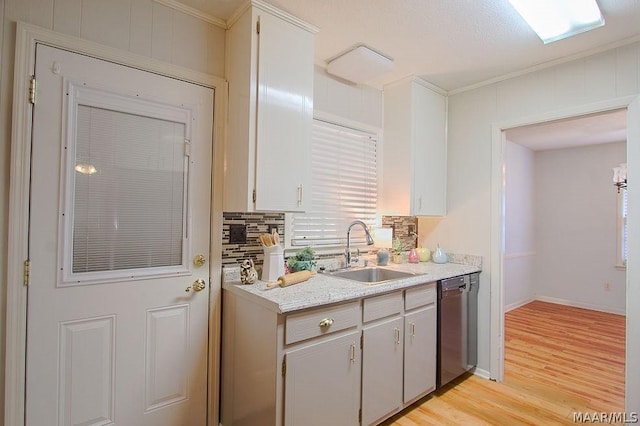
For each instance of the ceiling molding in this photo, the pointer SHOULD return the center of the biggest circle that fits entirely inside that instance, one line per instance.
(545, 65)
(187, 10)
(274, 11)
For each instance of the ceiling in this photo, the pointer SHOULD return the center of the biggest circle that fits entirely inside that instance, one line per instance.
(450, 43)
(587, 130)
(455, 44)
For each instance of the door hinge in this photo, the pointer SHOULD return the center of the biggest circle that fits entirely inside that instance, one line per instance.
(32, 90)
(254, 196)
(360, 415)
(26, 272)
(187, 148)
(284, 366)
(361, 341)
(258, 26)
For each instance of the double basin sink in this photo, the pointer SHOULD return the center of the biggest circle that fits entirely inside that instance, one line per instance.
(370, 275)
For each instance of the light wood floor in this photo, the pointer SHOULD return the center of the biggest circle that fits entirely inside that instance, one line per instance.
(558, 360)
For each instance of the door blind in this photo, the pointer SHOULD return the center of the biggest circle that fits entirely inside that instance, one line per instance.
(129, 191)
(344, 186)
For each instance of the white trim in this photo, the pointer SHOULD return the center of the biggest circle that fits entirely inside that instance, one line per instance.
(421, 82)
(518, 255)
(546, 65)
(285, 16)
(26, 38)
(481, 373)
(187, 10)
(516, 305)
(498, 216)
(575, 304)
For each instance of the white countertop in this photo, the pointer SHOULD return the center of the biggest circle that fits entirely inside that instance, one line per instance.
(322, 289)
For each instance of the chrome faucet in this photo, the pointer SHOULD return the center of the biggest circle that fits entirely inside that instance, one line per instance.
(347, 252)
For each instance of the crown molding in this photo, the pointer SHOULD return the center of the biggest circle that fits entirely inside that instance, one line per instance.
(187, 10)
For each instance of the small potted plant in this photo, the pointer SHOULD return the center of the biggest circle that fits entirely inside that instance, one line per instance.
(304, 260)
(396, 249)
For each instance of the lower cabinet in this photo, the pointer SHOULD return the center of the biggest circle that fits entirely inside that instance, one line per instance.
(419, 353)
(382, 355)
(352, 363)
(322, 383)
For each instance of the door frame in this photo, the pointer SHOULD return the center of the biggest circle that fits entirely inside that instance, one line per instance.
(498, 142)
(27, 36)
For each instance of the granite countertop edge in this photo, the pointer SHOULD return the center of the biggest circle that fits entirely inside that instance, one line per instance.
(324, 289)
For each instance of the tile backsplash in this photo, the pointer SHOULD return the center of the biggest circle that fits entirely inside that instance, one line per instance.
(403, 228)
(258, 223)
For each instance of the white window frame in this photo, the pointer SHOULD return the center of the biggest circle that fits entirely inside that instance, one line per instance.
(81, 94)
(376, 133)
(622, 249)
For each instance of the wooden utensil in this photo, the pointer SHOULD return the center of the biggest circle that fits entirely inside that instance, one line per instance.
(292, 278)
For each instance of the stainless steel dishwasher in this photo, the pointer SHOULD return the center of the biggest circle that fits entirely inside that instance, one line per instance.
(457, 327)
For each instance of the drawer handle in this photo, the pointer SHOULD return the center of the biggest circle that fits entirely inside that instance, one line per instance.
(397, 336)
(352, 358)
(413, 330)
(326, 322)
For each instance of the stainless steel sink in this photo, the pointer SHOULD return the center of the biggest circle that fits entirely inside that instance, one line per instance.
(373, 275)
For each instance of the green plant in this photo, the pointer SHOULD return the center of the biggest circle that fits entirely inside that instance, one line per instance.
(397, 246)
(304, 260)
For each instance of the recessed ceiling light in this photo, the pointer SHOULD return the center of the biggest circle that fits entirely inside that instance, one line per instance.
(359, 64)
(554, 20)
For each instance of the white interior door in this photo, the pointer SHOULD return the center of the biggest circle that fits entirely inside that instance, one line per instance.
(120, 199)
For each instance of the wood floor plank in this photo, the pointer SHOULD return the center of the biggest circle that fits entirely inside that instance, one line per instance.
(559, 360)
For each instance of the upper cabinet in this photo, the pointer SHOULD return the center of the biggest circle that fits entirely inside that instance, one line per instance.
(414, 164)
(270, 74)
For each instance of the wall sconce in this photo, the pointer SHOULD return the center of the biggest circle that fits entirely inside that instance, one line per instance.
(620, 176)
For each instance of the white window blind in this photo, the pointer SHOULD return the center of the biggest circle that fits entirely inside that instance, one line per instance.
(129, 191)
(344, 186)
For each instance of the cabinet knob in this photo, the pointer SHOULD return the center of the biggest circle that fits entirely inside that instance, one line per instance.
(326, 322)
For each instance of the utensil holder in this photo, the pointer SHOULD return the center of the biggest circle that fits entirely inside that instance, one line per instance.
(273, 266)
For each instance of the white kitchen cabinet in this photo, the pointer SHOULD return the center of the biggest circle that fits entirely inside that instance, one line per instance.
(322, 383)
(350, 363)
(270, 75)
(414, 161)
(382, 356)
(419, 353)
(302, 368)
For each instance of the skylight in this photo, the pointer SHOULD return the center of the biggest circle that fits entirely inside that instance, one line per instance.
(555, 20)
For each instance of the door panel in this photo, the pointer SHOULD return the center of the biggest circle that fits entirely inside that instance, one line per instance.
(120, 204)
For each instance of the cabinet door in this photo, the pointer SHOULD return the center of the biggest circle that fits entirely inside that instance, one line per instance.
(284, 114)
(429, 152)
(322, 383)
(419, 353)
(381, 370)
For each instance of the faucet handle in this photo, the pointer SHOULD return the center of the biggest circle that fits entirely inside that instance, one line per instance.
(356, 258)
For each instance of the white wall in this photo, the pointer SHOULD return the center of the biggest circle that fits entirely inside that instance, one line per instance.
(346, 103)
(139, 26)
(467, 227)
(519, 252)
(576, 227)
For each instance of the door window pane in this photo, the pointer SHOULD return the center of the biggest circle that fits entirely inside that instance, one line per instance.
(129, 191)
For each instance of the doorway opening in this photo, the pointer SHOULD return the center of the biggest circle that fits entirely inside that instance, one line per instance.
(560, 269)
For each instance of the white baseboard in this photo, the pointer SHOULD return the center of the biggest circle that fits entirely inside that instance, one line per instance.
(482, 373)
(515, 305)
(580, 305)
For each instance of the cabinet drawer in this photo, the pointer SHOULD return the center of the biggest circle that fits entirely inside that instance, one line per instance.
(419, 296)
(319, 322)
(382, 306)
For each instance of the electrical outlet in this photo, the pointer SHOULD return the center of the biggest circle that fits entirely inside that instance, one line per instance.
(607, 286)
(271, 228)
(237, 234)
